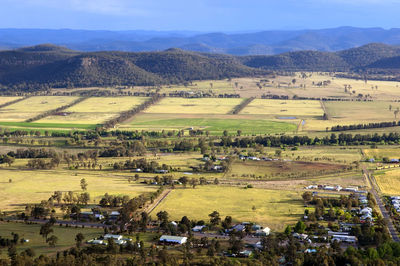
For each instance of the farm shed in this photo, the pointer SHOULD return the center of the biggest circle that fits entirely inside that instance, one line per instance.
(173, 239)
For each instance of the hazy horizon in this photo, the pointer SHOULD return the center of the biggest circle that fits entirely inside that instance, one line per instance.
(201, 16)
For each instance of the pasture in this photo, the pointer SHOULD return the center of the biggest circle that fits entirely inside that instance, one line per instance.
(33, 186)
(271, 208)
(284, 109)
(66, 237)
(95, 110)
(4, 100)
(215, 124)
(33, 106)
(194, 105)
(388, 181)
(378, 154)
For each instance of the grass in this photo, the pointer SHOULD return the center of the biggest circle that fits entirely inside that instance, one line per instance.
(194, 106)
(274, 209)
(32, 186)
(33, 106)
(4, 100)
(46, 125)
(389, 181)
(391, 153)
(66, 237)
(214, 125)
(284, 108)
(95, 110)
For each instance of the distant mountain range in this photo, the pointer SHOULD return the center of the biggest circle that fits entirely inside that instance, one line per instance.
(254, 43)
(44, 66)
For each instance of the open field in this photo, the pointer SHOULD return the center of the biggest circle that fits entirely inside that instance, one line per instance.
(34, 186)
(274, 209)
(389, 181)
(95, 110)
(66, 237)
(194, 106)
(33, 106)
(215, 124)
(282, 169)
(391, 153)
(284, 108)
(4, 100)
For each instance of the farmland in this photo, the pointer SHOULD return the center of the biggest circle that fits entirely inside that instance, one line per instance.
(95, 110)
(66, 237)
(388, 181)
(24, 189)
(33, 106)
(272, 208)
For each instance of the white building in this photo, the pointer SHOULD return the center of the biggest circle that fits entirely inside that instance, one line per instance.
(173, 239)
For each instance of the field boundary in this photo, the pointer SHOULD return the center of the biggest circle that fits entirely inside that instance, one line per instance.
(126, 115)
(238, 108)
(159, 200)
(54, 111)
(326, 114)
(12, 102)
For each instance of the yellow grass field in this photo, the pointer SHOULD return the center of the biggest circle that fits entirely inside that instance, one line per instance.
(284, 108)
(33, 106)
(273, 208)
(354, 112)
(4, 100)
(392, 153)
(34, 186)
(389, 182)
(95, 110)
(194, 106)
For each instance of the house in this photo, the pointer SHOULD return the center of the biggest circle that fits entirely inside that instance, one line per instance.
(138, 170)
(245, 253)
(198, 228)
(310, 250)
(366, 210)
(174, 224)
(161, 171)
(253, 158)
(344, 238)
(329, 188)
(174, 240)
(114, 214)
(263, 232)
(115, 237)
(97, 242)
(238, 228)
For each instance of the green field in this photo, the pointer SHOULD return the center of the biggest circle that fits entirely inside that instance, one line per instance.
(66, 237)
(214, 125)
(273, 208)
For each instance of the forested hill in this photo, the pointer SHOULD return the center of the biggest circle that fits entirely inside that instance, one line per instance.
(359, 58)
(45, 66)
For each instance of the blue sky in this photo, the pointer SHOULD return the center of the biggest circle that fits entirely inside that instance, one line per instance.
(198, 15)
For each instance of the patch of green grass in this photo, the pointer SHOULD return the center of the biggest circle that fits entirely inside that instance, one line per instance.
(215, 125)
(272, 208)
(66, 237)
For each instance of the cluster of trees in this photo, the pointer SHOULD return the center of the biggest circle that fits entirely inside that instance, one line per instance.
(333, 139)
(241, 106)
(128, 114)
(143, 164)
(365, 126)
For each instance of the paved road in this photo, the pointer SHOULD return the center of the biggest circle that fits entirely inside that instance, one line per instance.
(381, 205)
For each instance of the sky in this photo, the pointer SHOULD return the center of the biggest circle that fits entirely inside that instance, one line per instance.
(198, 15)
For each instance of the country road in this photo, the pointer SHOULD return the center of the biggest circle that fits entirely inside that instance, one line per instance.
(381, 205)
